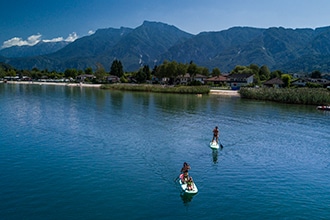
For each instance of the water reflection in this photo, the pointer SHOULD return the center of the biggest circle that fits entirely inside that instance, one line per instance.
(186, 198)
(215, 156)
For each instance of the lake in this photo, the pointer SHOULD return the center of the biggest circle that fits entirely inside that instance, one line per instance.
(87, 153)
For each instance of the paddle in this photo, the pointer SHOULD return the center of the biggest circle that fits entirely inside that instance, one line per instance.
(220, 144)
(178, 177)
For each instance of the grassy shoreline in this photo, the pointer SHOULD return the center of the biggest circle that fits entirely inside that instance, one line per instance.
(304, 96)
(159, 88)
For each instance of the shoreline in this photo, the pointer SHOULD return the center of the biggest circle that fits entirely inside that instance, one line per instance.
(54, 83)
(225, 92)
(212, 91)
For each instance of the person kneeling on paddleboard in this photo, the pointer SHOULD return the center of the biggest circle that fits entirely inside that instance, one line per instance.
(190, 184)
(184, 177)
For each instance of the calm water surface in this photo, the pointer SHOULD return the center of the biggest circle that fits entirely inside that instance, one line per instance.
(85, 153)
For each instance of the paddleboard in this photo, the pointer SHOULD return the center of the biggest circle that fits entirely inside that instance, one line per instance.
(214, 145)
(185, 189)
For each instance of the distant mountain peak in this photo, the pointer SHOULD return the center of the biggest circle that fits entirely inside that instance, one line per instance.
(285, 49)
(41, 48)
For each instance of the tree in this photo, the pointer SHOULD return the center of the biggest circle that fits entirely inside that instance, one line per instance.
(264, 73)
(316, 74)
(70, 73)
(100, 73)
(11, 73)
(162, 70)
(2, 73)
(241, 69)
(171, 69)
(36, 74)
(116, 68)
(254, 67)
(286, 78)
(146, 70)
(204, 71)
(216, 72)
(275, 74)
(192, 69)
(181, 69)
(89, 71)
(141, 76)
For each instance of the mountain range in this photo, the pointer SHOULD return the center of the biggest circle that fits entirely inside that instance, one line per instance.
(289, 50)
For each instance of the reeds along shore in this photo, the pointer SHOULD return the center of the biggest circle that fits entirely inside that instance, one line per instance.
(306, 96)
(159, 88)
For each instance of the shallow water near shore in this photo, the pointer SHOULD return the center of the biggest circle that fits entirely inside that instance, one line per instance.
(86, 153)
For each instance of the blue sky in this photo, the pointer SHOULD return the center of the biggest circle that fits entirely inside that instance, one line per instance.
(27, 22)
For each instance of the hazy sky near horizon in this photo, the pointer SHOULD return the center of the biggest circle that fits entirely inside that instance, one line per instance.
(24, 22)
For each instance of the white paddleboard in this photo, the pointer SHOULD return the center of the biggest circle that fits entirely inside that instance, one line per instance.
(184, 188)
(214, 145)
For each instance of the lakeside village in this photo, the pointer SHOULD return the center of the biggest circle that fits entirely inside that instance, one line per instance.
(250, 82)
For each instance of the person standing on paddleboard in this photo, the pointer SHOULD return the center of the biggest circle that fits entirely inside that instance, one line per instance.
(185, 167)
(215, 134)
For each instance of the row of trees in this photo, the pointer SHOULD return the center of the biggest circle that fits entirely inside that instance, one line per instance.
(168, 69)
(71, 73)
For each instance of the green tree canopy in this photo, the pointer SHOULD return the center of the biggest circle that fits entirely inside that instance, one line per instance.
(243, 69)
(89, 71)
(286, 78)
(146, 70)
(141, 76)
(216, 72)
(100, 73)
(204, 71)
(2, 73)
(116, 68)
(264, 73)
(275, 74)
(316, 74)
(181, 69)
(192, 69)
(70, 73)
(11, 72)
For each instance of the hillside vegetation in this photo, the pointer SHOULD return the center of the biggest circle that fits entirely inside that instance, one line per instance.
(288, 50)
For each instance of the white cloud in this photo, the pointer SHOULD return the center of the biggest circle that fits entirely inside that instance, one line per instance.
(57, 39)
(34, 39)
(17, 41)
(72, 37)
(91, 32)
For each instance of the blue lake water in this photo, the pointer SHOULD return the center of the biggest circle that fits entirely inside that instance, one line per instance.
(86, 153)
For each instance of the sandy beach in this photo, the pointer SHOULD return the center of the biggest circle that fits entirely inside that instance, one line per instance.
(225, 92)
(55, 84)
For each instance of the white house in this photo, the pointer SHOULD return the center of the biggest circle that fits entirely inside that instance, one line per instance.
(236, 80)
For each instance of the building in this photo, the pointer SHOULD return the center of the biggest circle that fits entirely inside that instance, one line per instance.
(217, 80)
(83, 77)
(200, 78)
(274, 83)
(186, 78)
(113, 79)
(183, 79)
(236, 80)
